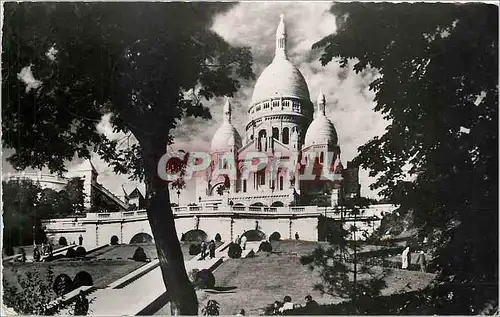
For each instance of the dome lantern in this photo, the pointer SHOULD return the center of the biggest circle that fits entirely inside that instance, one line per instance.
(321, 131)
(280, 51)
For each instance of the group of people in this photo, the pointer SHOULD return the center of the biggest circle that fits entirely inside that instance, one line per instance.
(41, 250)
(281, 308)
(406, 260)
(211, 249)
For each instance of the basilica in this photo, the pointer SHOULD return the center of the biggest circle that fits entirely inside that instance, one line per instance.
(282, 120)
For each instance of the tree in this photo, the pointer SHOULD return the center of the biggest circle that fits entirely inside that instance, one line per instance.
(147, 64)
(20, 216)
(438, 86)
(343, 272)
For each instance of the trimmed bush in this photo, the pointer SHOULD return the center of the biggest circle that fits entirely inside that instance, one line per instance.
(265, 246)
(70, 253)
(80, 252)
(82, 279)
(114, 240)
(62, 284)
(275, 236)
(139, 255)
(234, 251)
(204, 279)
(194, 249)
(218, 238)
(63, 241)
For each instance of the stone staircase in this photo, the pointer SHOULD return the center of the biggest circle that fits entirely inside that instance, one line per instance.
(142, 291)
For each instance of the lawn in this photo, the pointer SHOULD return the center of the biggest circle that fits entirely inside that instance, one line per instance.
(102, 272)
(125, 251)
(254, 283)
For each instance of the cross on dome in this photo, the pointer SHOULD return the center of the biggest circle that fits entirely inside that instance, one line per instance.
(281, 39)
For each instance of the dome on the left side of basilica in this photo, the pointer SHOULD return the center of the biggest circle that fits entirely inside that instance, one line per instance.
(226, 137)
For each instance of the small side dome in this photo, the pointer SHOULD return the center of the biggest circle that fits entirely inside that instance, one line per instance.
(226, 137)
(321, 130)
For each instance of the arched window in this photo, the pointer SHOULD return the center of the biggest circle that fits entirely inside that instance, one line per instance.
(244, 185)
(321, 157)
(281, 182)
(285, 136)
(276, 133)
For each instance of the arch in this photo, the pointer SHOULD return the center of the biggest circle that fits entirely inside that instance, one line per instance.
(195, 235)
(82, 278)
(285, 136)
(276, 133)
(238, 205)
(141, 237)
(254, 235)
(63, 241)
(257, 204)
(277, 204)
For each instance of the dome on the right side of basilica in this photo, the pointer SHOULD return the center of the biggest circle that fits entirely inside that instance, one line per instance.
(321, 131)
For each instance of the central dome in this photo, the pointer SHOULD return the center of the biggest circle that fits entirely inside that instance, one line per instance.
(280, 79)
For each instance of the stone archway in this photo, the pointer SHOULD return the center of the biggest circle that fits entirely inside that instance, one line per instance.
(195, 235)
(257, 204)
(277, 204)
(141, 237)
(254, 235)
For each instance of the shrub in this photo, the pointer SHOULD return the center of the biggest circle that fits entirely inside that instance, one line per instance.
(275, 236)
(114, 240)
(211, 309)
(194, 249)
(80, 252)
(218, 238)
(63, 284)
(62, 241)
(139, 255)
(70, 253)
(204, 279)
(265, 246)
(234, 251)
(82, 279)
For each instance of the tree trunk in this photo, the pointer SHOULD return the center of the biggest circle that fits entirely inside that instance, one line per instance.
(183, 299)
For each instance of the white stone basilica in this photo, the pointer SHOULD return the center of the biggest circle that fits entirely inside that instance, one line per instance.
(282, 121)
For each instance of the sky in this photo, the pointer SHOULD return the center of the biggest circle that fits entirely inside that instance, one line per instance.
(349, 102)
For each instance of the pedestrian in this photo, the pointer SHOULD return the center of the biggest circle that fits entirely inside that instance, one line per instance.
(23, 255)
(80, 240)
(405, 258)
(51, 249)
(81, 305)
(276, 308)
(36, 254)
(243, 242)
(422, 261)
(296, 236)
(241, 313)
(311, 304)
(211, 249)
(287, 304)
(203, 250)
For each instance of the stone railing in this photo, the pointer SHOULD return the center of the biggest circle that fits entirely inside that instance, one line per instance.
(35, 176)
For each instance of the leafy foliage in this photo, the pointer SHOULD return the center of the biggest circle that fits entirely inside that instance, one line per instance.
(139, 255)
(438, 86)
(148, 64)
(204, 279)
(212, 308)
(234, 251)
(265, 246)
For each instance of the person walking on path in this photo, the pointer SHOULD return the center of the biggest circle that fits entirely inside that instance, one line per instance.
(203, 250)
(80, 240)
(81, 305)
(36, 255)
(422, 261)
(405, 258)
(211, 249)
(243, 243)
(311, 304)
